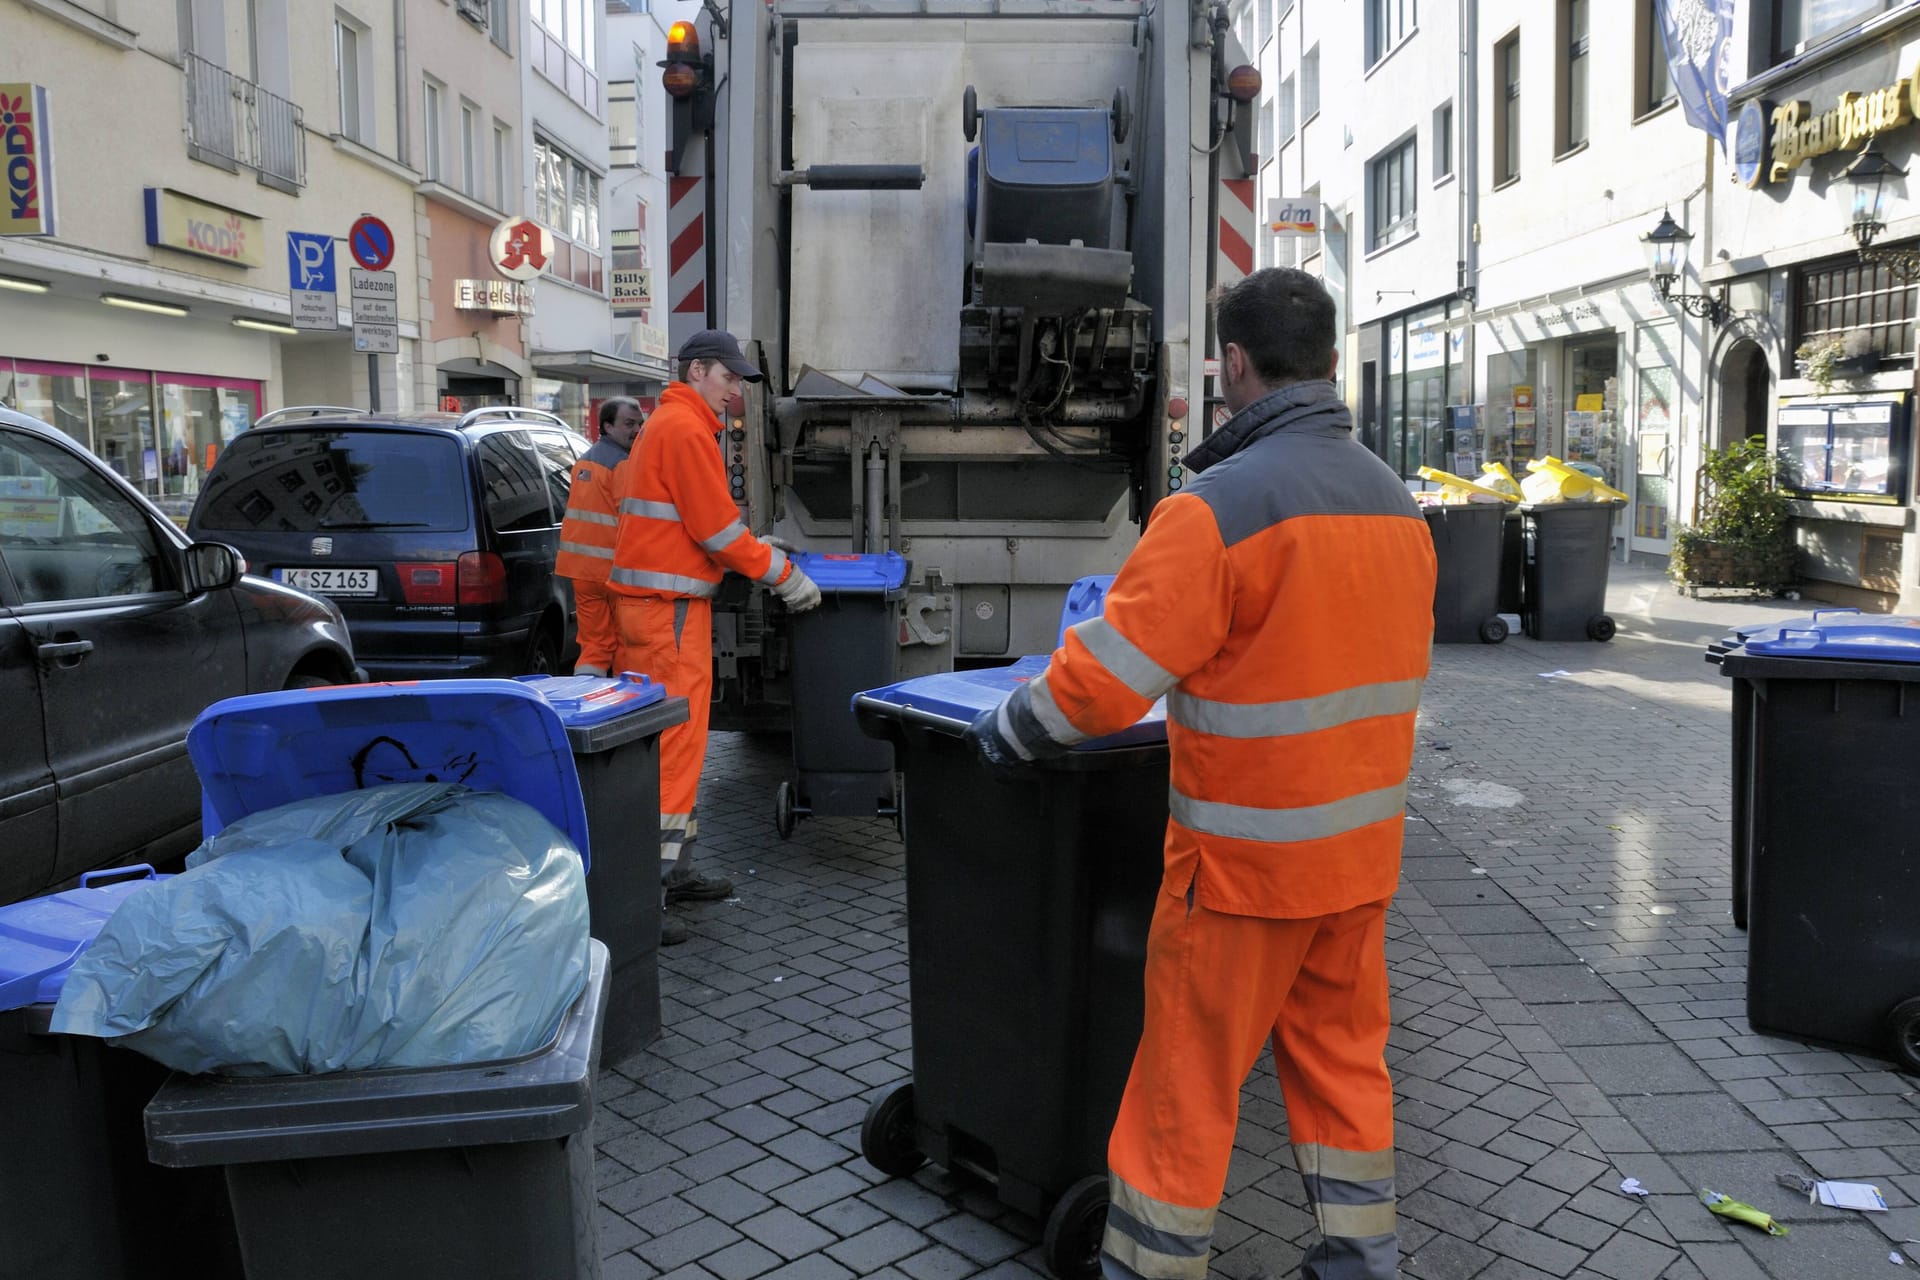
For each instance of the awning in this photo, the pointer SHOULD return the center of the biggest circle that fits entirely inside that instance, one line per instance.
(599, 366)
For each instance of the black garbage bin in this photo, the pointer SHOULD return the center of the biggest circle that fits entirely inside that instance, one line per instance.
(1028, 904)
(78, 1198)
(1513, 559)
(1466, 590)
(420, 1174)
(1833, 937)
(1569, 547)
(614, 725)
(851, 642)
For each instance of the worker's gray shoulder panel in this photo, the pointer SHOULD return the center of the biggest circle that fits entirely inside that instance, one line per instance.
(605, 453)
(1299, 472)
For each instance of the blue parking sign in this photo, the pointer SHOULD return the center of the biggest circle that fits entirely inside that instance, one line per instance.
(310, 262)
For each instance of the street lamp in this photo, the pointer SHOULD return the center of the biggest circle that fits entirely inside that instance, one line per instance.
(1666, 247)
(1868, 175)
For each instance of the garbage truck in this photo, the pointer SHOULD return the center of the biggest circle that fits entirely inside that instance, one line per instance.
(970, 244)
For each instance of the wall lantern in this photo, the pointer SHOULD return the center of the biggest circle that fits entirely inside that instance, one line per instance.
(1666, 247)
(1868, 175)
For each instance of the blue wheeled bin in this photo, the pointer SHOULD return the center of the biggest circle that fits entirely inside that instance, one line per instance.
(78, 1198)
(614, 725)
(1833, 940)
(427, 1174)
(851, 642)
(1028, 904)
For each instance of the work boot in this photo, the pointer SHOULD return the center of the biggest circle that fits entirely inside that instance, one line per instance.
(673, 933)
(699, 888)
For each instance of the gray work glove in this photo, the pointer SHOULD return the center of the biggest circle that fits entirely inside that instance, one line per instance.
(781, 543)
(799, 592)
(588, 669)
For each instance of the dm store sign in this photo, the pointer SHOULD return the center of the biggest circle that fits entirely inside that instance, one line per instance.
(26, 149)
(178, 221)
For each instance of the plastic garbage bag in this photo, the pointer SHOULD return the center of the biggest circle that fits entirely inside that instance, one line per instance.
(409, 925)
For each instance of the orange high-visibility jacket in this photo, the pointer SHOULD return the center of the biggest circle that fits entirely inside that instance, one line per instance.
(587, 533)
(1283, 604)
(678, 530)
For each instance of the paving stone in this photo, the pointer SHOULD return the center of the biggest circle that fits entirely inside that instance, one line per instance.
(628, 1266)
(981, 1241)
(1642, 1068)
(1526, 1203)
(741, 1260)
(1630, 1257)
(727, 1199)
(878, 1246)
(765, 1175)
(809, 1193)
(786, 1232)
(816, 1266)
(1533, 1248)
(1447, 1257)
(1689, 1122)
(695, 1240)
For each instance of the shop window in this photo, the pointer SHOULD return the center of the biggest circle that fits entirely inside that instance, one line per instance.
(1854, 450)
(1574, 64)
(1846, 296)
(1392, 199)
(1419, 385)
(54, 393)
(1506, 113)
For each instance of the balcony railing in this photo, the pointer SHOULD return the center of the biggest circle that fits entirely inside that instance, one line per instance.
(234, 119)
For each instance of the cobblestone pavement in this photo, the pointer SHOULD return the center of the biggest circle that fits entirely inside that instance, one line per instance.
(1569, 1011)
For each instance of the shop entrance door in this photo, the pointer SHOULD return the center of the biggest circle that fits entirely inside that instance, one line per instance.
(1590, 423)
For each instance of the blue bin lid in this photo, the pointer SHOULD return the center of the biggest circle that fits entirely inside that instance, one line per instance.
(963, 695)
(1840, 633)
(268, 749)
(1086, 598)
(42, 937)
(583, 701)
(880, 573)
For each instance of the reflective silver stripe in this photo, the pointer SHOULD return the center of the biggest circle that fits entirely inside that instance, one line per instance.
(651, 510)
(1004, 722)
(582, 549)
(1138, 1205)
(1284, 826)
(1124, 658)
(1356, 1220)
(1047, 712)
(723, 538)
(594, 517)
(776, 566)
(1149, 1263)
(663, 582)
(1314, 1160)
(1295, 715)
(675, 821)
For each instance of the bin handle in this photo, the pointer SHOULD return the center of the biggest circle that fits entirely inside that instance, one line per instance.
(91, 878)
(1825, 613)
(911, 715)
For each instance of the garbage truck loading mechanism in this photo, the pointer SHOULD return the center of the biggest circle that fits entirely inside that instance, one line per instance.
(970, 243)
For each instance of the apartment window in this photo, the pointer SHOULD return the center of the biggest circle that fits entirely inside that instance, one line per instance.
(1263, 24)
(1391, 196)
(623, 125)
(471, 179)
(1653, 76)
(562, 46)
(1288, 122)
(353, 77)
(500, 23)
(1574, 62)
(1801, 24)
(432, 120)
(502, 166)
(1443, 141)
(1310, 84)
(1388, 23)
(566, 199)
(1506, 114)
(1265, 140)
(1242, 13)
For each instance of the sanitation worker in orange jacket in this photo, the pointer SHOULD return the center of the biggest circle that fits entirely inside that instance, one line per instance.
(678, 533)
(1282, 602)
(587, 533)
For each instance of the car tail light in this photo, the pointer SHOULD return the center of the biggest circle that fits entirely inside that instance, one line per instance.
(483, 578)
(428, 583)
(1243, 83)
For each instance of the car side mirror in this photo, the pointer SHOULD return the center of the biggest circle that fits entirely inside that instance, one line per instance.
(212, 566)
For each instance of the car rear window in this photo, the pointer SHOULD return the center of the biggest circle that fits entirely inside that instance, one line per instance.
(303, 481)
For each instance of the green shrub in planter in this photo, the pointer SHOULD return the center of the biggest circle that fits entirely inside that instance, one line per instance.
(1744, 537)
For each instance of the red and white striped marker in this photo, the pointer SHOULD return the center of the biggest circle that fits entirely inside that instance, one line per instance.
(686, 257)
(1235, 259)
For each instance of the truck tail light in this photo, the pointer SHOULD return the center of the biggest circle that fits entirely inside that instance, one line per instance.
(1243, 83)
(482, 578)
(680, 79)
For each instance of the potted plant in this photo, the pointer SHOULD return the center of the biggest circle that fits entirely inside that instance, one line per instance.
(1833, 357)
(1743, 537)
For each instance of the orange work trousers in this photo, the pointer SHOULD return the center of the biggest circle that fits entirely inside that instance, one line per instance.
(671, 639)
(1218, 988)
(593, 624)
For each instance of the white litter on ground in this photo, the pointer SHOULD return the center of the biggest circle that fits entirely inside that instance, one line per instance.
(1481, 795)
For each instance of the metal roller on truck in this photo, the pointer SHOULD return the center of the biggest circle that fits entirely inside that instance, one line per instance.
(970, 244)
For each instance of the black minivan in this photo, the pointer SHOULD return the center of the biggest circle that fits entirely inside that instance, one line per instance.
(435, 534)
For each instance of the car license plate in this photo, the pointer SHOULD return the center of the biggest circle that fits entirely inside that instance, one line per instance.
(332, 582)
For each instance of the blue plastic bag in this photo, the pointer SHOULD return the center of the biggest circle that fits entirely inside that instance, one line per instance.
(410, 925)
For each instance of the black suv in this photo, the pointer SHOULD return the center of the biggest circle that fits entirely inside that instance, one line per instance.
(435, 534)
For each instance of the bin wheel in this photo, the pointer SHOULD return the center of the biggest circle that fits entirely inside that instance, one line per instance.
(1493, 630)
(783, 810)
(886, 1135)
(1075, 1228)
(1600, 627)
(1903, 1029)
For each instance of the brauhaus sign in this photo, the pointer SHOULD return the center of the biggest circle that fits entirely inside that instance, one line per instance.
(1800, 133)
